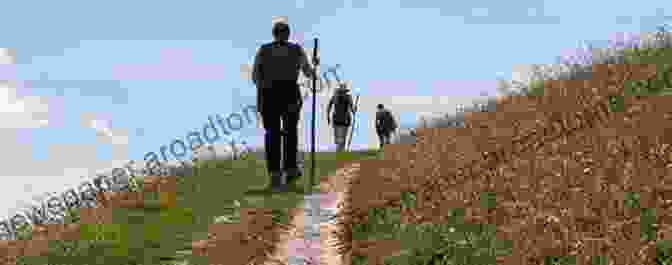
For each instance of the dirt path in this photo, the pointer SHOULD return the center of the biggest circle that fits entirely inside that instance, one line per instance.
(301, 244)
(307, 240)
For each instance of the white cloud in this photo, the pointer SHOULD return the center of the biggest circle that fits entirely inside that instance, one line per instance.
(522, 72)
(102, 129)
(7, 56)
(24, 112)
(26, 179)
(102, 125)
(220, 151)
(18, 112)
(67, 166)
(428, 119)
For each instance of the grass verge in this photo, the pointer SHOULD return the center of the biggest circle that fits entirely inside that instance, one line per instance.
(215, 193)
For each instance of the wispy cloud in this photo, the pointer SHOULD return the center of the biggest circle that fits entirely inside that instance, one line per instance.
(16, 111)
(175, 64)
(19, 113)
(25, 115)
(510, 13)
(87, 88)
(103, 129)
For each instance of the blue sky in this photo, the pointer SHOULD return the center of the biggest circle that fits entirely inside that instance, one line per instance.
(151, 72)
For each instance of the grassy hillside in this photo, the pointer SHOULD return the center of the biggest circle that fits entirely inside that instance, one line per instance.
(416, 224)
(156, 234)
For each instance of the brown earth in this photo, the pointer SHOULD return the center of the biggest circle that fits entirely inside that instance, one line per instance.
(42, 234)
(253, 240)
(559, 164)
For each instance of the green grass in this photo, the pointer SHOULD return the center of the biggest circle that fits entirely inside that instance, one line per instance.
(452, 242)
(457, 242)
(153, 235)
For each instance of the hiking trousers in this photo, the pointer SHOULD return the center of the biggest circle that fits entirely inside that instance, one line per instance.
(384, 137)
(340, 135)
(281, 138)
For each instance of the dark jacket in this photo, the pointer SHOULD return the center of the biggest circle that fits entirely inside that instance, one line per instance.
(385, 121)
(276, 72)
(343, 108)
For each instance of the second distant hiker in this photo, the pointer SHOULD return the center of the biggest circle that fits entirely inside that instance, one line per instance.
(342, 115)
(385, 124)
(276, 73)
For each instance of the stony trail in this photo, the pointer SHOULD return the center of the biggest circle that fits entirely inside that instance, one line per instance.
(311, 240)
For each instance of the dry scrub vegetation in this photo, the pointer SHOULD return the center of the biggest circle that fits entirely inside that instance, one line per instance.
(255, 233)
(578, 174)
(253, 239)
(37, 240)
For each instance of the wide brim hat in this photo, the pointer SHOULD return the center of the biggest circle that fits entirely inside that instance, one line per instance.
(280, 19)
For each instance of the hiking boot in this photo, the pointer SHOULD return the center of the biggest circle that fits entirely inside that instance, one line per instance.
(293, 175)
(279, 188)
(278, 181)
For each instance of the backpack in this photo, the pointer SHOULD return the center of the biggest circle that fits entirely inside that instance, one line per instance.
(386, 120)
(342, 105)
(391, 121)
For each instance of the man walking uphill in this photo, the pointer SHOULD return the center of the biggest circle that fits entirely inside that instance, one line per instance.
(385, 125)
(275, 73)
(342, 116)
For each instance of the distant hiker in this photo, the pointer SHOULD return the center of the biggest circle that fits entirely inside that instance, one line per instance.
(275, 73)
(342, 115)
(385, 125)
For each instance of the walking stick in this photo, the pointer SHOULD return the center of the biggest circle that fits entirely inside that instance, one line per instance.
(312, 148)
(354, 115)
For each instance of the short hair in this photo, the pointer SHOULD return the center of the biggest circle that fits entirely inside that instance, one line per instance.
(380, 106)
(281, 30)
